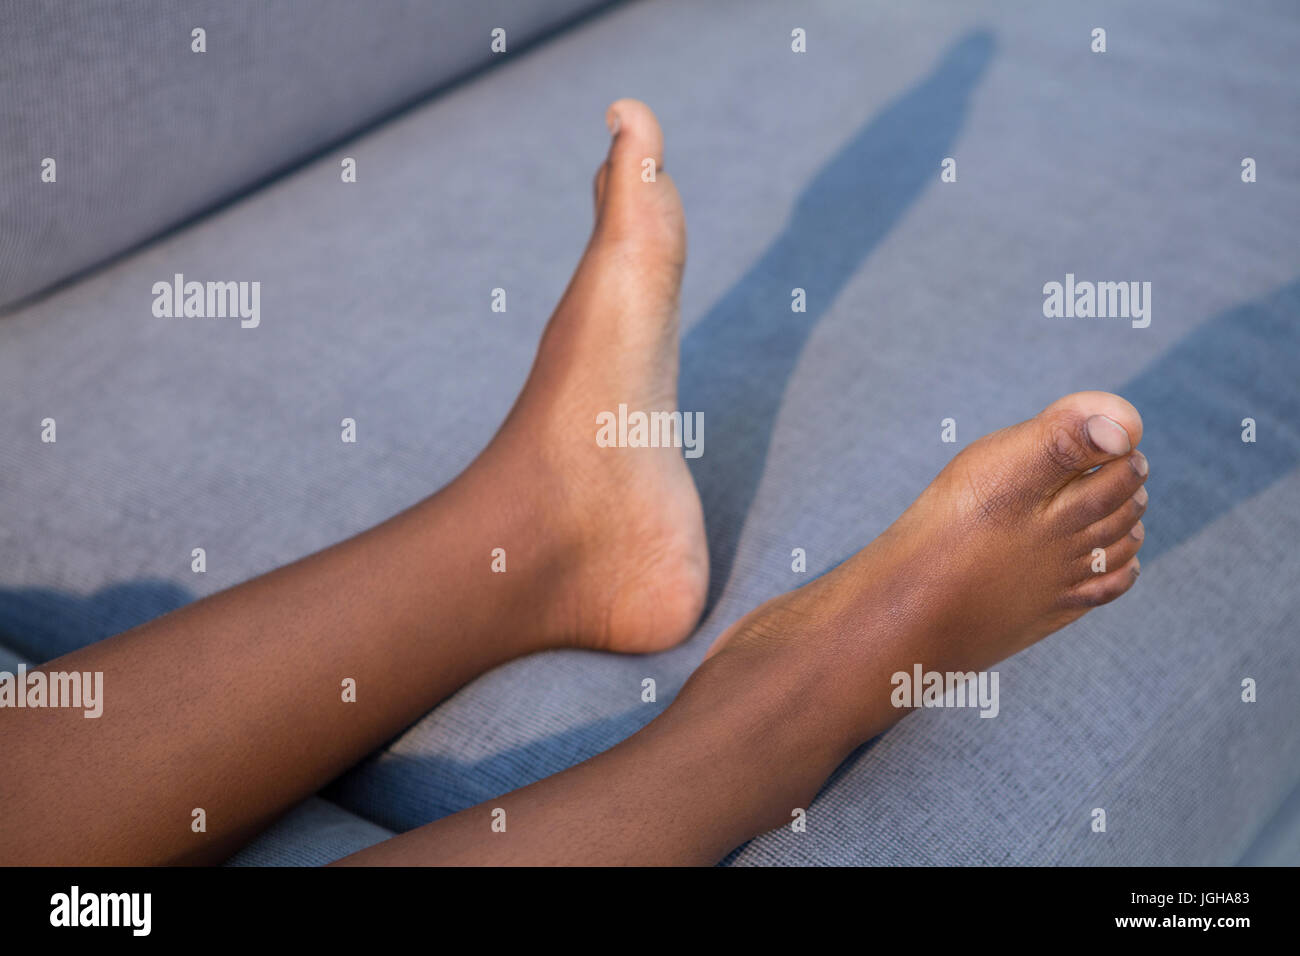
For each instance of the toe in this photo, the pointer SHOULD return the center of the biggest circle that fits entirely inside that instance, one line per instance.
(1081, 431)
(636, 137)
(637, 206)
(1116, 524)
(635, 198)
(636, 147)
(1117, 553)
(1098, 589)
(1095, 495)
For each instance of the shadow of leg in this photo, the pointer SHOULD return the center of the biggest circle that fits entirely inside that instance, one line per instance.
(737, 361)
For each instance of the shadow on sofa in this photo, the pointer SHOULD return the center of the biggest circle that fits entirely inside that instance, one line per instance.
(737, 360)
(41, 623)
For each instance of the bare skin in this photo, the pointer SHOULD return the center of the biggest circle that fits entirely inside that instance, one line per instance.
(233, 704)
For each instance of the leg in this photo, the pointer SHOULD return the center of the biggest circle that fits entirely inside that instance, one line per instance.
(995, 554)
(234, 704)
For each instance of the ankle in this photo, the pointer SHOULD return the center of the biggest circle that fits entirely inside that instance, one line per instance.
(779, 674)
(822, 656)
(493, 550)
(771, 745)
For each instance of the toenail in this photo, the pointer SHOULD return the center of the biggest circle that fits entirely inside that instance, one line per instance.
(1138, 532)
(1107, 435)
(1139, 463)
(1141, 497)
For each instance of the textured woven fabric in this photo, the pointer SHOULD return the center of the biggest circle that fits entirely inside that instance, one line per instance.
(819, 171)
(1278, 843)
(145, 131)
(313, 833)
(10, 659)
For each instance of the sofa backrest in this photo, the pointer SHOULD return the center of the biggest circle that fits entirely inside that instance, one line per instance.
(145, 132)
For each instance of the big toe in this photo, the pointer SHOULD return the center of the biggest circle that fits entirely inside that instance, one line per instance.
(636, 134)
(1079, 432)
(635, 198)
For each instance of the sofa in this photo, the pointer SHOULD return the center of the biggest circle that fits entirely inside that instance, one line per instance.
(823, 170)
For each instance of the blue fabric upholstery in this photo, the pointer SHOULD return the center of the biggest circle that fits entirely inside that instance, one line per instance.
(313, 833)
(146, 132)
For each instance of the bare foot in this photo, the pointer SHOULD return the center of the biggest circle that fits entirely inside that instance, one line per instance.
(1004, 547)
(627, 561)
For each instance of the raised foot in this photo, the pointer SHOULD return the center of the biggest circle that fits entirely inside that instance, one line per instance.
(1023, 532)
(627, 551)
